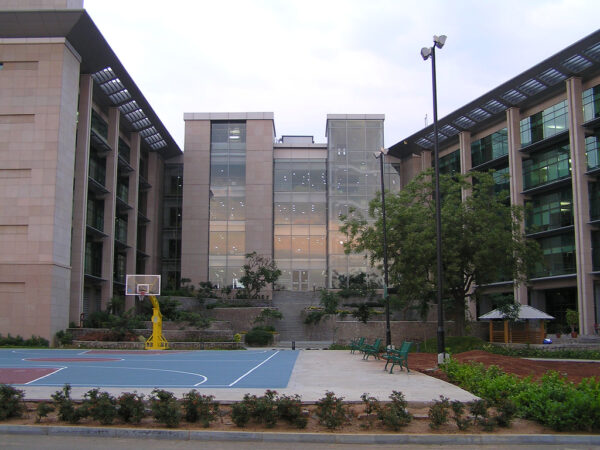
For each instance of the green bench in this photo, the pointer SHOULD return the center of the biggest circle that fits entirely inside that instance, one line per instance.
(368, 350)
(356, 344)
(398, 357)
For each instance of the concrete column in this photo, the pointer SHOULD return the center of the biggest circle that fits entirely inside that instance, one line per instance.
(464, 142)
(132, 214)
(154, 213)
(110, 205)
(196, 192)
(80, 191)
(581, 208)
(515, 167)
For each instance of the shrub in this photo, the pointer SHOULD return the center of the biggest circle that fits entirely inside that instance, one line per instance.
(362, 313)
(131, 408)
(200, 408)
(11, 402)
(394, 415)
(264, 409)
(438, 412)
(42, 410)
(314, 317)
(479, 409)
(458, 408)
(290, 409)
(101, 406)
(506, 412)
(553, 402)
(165, 408)
(66, 406)
(240, 414)
(18, 341)
(258, 337)
(331, 411)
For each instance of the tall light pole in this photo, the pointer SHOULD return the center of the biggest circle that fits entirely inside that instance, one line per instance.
(388, 333)
(426, 53)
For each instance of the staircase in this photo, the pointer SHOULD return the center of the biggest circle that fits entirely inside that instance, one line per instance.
(291, 328)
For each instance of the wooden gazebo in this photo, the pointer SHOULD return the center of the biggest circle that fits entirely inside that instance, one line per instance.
(528, 329)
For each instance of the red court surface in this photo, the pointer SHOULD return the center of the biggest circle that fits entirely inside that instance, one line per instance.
(23, 376)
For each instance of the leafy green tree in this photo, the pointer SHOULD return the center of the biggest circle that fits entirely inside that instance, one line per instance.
(258, 272)
(482, 240)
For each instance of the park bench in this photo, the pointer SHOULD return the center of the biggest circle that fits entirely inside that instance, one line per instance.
(398, 356)
(371, 349)
(356, 344)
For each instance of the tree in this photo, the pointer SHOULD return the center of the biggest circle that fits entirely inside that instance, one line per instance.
(258, 272)
(482, 241)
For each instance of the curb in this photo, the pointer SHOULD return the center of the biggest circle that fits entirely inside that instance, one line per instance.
(323, 438)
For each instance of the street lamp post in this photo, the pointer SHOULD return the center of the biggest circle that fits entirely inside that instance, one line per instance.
(426, 53)
(388, 333)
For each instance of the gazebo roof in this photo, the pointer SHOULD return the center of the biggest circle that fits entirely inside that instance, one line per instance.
(525, 313)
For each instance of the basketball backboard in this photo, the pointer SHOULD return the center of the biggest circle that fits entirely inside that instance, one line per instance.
(142, 284)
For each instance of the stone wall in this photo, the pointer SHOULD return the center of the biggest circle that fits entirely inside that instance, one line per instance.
(172, 345)
(241, 318)
(342, 331)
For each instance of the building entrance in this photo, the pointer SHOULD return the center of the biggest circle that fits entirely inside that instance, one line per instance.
(299, 280)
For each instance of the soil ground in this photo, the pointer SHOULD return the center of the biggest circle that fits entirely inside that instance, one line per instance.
(360, 423)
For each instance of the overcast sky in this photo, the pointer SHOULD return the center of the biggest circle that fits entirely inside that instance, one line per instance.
(304, 59)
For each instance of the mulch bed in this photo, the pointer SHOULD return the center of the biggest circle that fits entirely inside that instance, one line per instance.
(574, 371)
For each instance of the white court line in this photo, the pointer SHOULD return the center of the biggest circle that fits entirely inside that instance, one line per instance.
(47, 375)
(253, 369)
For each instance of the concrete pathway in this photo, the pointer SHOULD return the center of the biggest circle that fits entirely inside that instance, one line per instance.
(315, 372)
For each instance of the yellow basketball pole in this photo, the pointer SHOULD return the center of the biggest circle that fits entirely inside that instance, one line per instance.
(157, 340)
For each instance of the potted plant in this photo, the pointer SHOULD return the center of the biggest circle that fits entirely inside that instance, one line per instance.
(572, 317)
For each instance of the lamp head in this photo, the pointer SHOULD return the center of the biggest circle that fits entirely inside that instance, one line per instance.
(384, 150)
(439, 41)
(426, 53)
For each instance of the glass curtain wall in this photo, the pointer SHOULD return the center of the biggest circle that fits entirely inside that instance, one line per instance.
(300, 222)
(353, 174)
(227, 226)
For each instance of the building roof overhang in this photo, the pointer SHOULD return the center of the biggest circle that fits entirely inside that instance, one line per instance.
(98, 59)
(543, 81)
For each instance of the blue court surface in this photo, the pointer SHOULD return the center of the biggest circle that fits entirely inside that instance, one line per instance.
(148, 369)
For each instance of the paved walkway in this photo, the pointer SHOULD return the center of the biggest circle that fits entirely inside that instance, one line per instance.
(315, 372)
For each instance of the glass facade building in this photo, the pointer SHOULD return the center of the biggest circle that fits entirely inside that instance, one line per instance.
(300, 222)
(227, 228)
(354, 179)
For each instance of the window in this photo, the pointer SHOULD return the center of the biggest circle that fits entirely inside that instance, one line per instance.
(174, 216)
(550, 211)
(545, 124)
(547, 166)
(450, 164)
(591, 103)
(490, 147)
(558, 255)
(592, 151)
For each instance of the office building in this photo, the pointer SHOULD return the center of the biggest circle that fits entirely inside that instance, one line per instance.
(542, 129)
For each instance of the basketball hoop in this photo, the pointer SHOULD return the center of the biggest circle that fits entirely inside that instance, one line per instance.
(141, 295)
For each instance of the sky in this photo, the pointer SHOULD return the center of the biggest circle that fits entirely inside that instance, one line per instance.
(304, 59)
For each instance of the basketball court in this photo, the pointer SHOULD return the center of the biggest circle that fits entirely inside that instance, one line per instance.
(148, 369)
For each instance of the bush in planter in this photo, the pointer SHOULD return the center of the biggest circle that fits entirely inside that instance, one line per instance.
(572, 317)
(259, 336)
